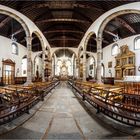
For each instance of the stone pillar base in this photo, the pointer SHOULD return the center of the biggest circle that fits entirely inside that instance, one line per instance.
(28, 83)
(99, 82)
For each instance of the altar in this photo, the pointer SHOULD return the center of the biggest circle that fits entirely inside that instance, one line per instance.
(64, 71)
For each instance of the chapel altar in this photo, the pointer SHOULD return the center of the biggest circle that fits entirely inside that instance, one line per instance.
(64, 71)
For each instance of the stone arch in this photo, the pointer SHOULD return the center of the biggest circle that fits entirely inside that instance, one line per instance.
(80, 49)
(87, 39)
(41, 40)
(17, 18)
(113, 15)
(80, 52)
(94, 64)
(93, 58)
(62, 49)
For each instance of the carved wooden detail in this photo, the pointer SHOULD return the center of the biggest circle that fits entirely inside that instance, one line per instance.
(8, 72)
(125, 63)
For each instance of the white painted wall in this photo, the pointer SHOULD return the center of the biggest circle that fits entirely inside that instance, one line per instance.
(98, 22)
(32, 27)
(107, 56)
(6, 53)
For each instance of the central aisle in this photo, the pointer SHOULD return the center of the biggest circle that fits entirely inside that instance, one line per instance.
(62, 117)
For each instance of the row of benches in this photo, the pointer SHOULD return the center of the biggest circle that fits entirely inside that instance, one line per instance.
(27, 97)
(112, 104)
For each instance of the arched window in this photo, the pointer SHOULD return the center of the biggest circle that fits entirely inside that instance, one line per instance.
(14, 48)
(137, 43)
(115, 49)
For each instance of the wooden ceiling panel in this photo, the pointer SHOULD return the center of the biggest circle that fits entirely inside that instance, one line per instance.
(56, 18)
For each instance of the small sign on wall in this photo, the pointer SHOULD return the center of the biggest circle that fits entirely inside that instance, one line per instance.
(110, 64)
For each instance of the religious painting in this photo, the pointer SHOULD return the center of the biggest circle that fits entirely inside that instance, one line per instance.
(24, 71)
(110, 64)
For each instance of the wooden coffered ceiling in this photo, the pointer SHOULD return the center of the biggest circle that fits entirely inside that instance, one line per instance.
(64, 23)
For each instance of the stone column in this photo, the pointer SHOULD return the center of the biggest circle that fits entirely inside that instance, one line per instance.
(43, 66)
(29, 62)
(78, 66)
(53, 68)
(84, 66)
(73, 67)
(99, 53)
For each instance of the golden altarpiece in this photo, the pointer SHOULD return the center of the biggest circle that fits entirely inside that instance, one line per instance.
(125, 63)
(64, 71)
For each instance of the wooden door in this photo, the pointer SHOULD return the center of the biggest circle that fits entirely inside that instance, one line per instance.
(8, 73)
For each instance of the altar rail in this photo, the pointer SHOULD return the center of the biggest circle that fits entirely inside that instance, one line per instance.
(111, 101)
(17, 100)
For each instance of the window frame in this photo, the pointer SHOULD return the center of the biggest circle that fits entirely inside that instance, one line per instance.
(16, 46)
(136, 38)
(113, 47)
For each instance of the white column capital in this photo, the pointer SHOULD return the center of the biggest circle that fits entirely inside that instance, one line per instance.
(99, 39)
(99, 50)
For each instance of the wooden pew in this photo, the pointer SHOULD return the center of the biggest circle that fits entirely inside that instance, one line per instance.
(111, 101)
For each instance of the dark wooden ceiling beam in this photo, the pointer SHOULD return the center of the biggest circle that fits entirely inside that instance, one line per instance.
(79, 5)
(63, 20)
(83, 15)
(35, 6)
(36, 44)
(66, 26)
(23, 40)
(3, 22)
(61, 6)
(125, 24)
(63, 46)
(94, 38)
(63, 31)
(18, 31)
(105, 41)
(110, 33)
(69, 10)
(59, 39)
